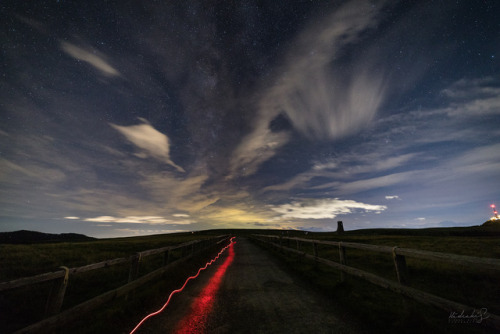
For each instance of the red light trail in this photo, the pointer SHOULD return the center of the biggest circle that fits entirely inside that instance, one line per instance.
(206, 292)
(195, 321)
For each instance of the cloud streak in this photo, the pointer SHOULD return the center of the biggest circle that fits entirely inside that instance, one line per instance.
(321, 100)
(256, 148)
(152, 220)
(473, 97)
(389, 197)
(93, 58)
(152, 142)
(323, 208)
(179, 194)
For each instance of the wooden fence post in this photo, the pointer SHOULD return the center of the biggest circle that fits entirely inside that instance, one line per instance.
(166, 257)
(134, 267)
(299, 256)
(315, 252)
(133, 271)
(400, 265)
(343, 260)
(56, 296)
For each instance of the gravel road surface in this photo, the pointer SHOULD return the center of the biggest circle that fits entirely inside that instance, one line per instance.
(247, 291)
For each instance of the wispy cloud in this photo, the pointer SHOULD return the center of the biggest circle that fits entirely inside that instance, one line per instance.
(256, 148)
(34, 171)
(323, 208)
(153, 220)
(389, 197)
(233, 215)
(320, 98)
(130, 219)
(473, 97)
(370, 183)
(182, 215)
(92, 57)
(151, 141)
(318, 101)
(138, 232)
(179, 194)
(376, 164)
(343, 169)
(477, 162)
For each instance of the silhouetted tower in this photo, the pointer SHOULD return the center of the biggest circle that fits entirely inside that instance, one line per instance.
(340, 227)
(495, 212)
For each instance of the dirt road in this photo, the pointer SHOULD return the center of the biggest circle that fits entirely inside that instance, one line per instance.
(247, 292)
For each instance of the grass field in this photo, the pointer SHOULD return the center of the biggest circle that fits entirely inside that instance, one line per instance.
(23, 306)
(384, 311)
(388, 312)
(31, 259)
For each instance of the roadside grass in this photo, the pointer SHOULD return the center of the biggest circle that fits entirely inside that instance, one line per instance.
(382, 311)
(388, 312)
(122, 314)
(26, 260)
(23, 306)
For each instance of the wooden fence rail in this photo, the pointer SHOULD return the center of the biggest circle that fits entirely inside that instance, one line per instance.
(478, 262)
(55, 300)
(399, 257)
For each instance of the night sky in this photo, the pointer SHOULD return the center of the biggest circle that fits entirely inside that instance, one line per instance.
(121, 118)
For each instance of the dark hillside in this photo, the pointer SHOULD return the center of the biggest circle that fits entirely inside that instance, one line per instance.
(470, 231)
(32, 237)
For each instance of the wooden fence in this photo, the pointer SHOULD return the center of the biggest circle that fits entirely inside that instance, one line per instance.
(399, 258)
(55, 318)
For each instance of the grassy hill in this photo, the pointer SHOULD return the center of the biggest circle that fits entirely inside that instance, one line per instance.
(33, 237)
(492, 223)
(26, 305)
(358, 299)
(389, 312)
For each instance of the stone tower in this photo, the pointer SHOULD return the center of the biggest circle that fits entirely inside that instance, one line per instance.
(340, 227)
